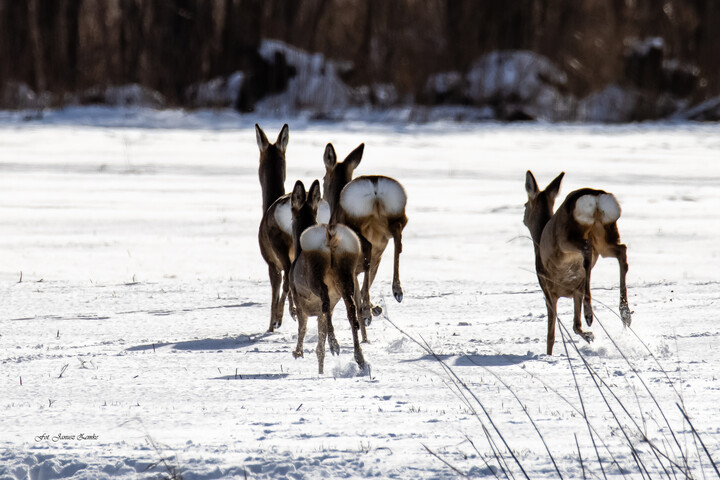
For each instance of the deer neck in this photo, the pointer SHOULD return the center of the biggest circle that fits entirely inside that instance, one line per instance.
(272, 178)
(333, 190)
(541, 219)
(302, 220)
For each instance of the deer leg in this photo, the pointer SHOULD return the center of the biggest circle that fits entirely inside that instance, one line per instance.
(619, 251)
(551, 305)
(275, 280)
(358, 301)
(374, 309)
(365, 314)
(287, 293)
(396, 229)
(625, 312)
(577, 322)
(322, 335)
(328, 330)
(302, 328)
(587, 253)
(332, 341)
(348, 291)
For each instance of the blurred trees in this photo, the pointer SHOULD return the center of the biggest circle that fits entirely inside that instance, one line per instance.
(71, 45)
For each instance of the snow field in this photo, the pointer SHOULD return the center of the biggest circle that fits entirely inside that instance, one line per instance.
(144, 301)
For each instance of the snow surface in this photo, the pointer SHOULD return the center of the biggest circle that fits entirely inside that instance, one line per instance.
(135, 303)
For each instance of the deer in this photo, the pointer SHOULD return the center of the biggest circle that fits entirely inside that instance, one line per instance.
(373, 206)
(275, 232)
(567, 245)
(322, 273)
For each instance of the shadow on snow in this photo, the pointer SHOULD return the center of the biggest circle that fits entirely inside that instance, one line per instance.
(477, 360)
(226, 343)
(253, 376)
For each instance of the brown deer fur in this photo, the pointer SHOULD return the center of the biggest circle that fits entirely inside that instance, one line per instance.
(275, 244)
(373, 206)
(323, 272)
(567, 244)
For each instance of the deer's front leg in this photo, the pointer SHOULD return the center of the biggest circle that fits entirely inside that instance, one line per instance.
(551, 304)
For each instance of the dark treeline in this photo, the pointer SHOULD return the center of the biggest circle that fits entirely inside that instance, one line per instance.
(71, 45)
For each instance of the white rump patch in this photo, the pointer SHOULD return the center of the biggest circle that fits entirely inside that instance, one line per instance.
(359, 197)
(604, 207)
(348, 241)
(323, 212)
(283, 216)
(585, 207)
(392, 195)
(314, 239)
(609, 208)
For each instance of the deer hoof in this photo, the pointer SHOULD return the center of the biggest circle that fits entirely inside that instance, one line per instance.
(589, 320)
(360, 360)
(376, 310)
(625, 315)
(588, 336)
(297, 354)
(398, 293)
(334, 346)
(365, 315)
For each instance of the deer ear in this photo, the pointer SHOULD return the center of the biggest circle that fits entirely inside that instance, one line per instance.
(531, 186)
(554, 187)
(329, 157)
(353, 160)
(262, 140)
(283, 137)
(298, 196)
(314, 194)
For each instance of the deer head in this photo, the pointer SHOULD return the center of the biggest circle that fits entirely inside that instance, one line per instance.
(304, 210)
(272, 165)
(540, 204)
(337, 175)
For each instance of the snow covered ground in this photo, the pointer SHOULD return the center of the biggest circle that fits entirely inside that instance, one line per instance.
(134, 304)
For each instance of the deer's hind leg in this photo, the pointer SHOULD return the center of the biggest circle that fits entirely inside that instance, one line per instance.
(366, 247)
(322, 292)
(615, 249)
(286, 290)
(322, 336)
(587, 254)
(302, 328)
(348, 286)
(578, 300)
(396, 229)
(275, 284)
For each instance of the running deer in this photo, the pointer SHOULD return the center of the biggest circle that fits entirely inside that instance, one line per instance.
(275, 234)
(373, 207)
(567, 244)
(323, 272)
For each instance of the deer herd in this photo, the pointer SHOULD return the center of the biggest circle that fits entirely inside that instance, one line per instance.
(317, 244)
